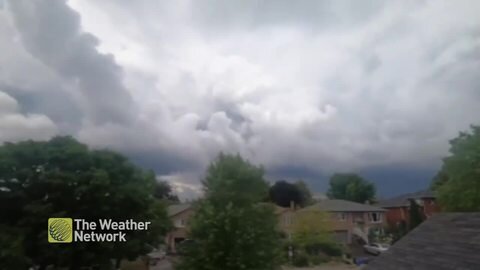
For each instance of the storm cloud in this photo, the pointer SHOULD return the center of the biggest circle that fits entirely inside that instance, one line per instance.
(305, 88)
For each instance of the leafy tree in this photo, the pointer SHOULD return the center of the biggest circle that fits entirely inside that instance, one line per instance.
(231, 229)
(163, 191)
(438, 180)
(282, 193)
(312, 236)
(306, 195)
(311, 227)
(459, 189)
(63, 178)
(415, 215)
(351, 187)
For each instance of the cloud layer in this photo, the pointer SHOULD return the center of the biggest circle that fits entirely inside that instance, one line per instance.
(305, 89)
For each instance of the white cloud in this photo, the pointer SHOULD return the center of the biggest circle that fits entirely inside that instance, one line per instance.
(322, 85)
(15, 126)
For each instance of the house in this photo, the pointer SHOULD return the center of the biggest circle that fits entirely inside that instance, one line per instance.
(179, 214)
(398, 207)
(350, 219)
(443, 242)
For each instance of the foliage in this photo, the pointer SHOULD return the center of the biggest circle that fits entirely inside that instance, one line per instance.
(311, 227)
(312, 237)
(300, 260)
(351, 187)
(282, 193)
(63, 178)
(231, 229)
(415, 215)
(459, 189)
(163, 191)
(306, 195)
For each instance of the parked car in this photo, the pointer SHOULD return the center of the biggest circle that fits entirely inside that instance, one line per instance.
(375, 248)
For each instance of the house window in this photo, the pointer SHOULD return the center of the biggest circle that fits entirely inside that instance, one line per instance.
(287, 220)
(180, 223)
(376, 217)
(342, 216)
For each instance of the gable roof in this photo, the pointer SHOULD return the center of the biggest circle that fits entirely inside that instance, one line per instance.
(342, 206)
(402, 200)
(175, 209)
(444, 241)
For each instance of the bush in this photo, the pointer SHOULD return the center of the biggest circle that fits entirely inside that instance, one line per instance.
(319, 259)
(300, 260)
(331, 249)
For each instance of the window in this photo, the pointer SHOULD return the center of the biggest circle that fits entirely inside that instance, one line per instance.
(376, 217)
(342, 216)
(287, 220)
(180, 223)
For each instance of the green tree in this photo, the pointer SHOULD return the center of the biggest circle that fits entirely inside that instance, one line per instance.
(163, 191)
(415, 215)
(231, 229)
(306, 195)
(63, 178)
(460, 188)
(311, 227)
(282, 193)
(351, 187)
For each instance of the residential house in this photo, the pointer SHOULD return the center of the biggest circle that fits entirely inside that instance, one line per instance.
(443, 242)
(179, 215)
(350, 219)
(398, 207)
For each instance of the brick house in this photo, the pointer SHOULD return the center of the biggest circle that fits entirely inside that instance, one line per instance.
(398, 207)
(350, 219)
(180, 215)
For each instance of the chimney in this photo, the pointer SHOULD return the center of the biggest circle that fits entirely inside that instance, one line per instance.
(292, 205)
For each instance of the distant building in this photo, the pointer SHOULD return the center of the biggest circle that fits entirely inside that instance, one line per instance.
(351, 219)
(445, 241)
(179, 215)
(398, 207)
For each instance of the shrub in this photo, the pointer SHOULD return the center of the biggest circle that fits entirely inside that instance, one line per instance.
(330, 248)
(319, 259)
(300, 260)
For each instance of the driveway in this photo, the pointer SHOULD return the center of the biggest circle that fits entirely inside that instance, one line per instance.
(162, 265)
(328, 267)
(166, 265)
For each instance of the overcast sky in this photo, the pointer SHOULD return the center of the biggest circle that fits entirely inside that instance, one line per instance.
(306, 88)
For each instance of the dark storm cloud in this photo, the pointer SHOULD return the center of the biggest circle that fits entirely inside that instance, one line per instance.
(51, 32)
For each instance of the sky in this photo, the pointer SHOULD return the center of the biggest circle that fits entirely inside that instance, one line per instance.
(305, 88)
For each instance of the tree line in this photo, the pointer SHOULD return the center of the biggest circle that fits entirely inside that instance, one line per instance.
(233, 227)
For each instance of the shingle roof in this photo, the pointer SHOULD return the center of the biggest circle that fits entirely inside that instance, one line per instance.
(343, 206)
(177, 208)
(402, 200)
(443, 242)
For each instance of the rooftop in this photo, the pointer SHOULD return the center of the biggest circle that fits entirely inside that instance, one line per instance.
(177, 208)
(443, 242)
(343, 206)
(402, 200)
